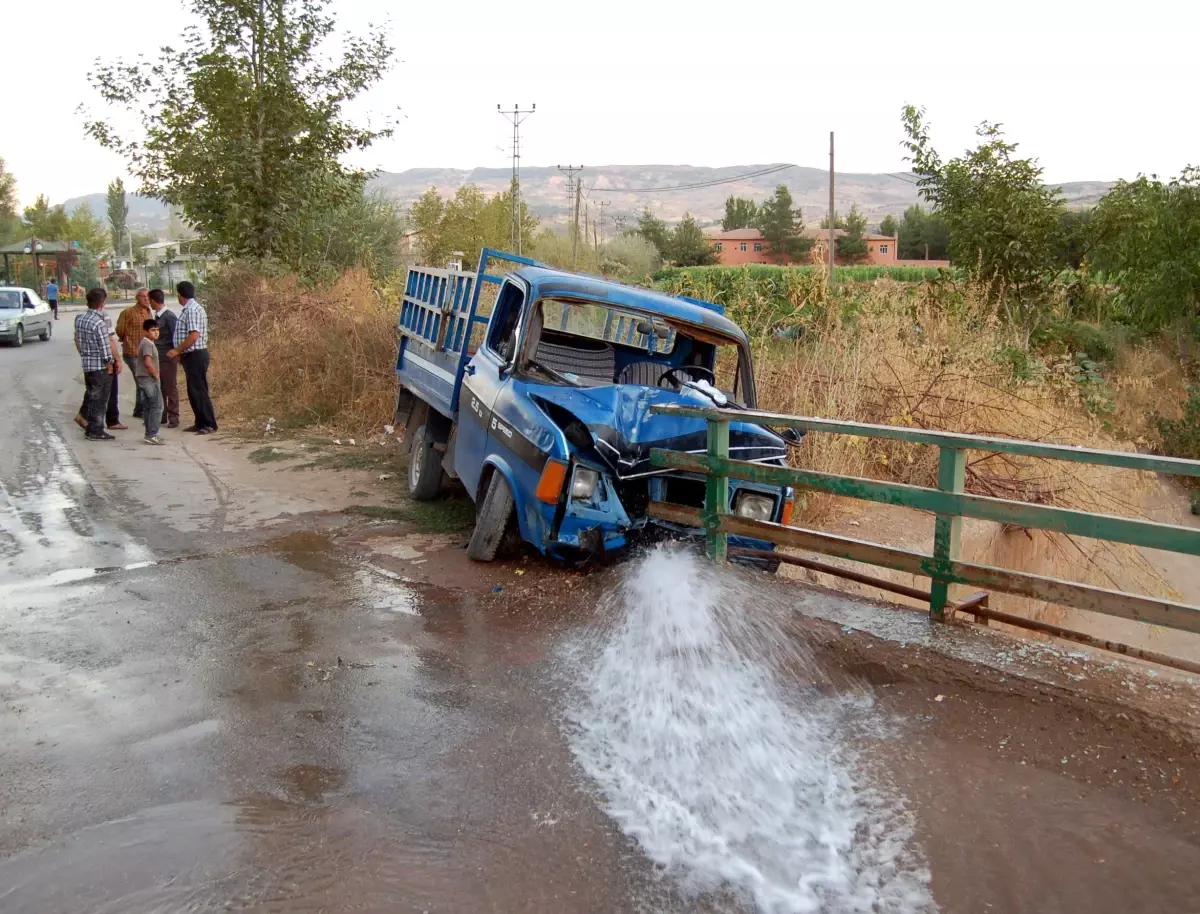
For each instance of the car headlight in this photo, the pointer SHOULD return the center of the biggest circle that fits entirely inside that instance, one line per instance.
(4, 325)
(583, 484)
(754, 507)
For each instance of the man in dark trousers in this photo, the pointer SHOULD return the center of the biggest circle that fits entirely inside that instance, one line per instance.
(52, 296)
(168, 368)
(191, 348)
(100, 364)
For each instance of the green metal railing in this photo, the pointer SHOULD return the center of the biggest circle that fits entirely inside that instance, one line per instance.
(949, 502)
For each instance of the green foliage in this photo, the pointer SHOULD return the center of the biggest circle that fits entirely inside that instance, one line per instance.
(84, 227)
(49, 223)
(739, 213)
(242, 128)
(363, 231)
(630, 258)
(852, 246)
(10, 223)
(889, 226)
(653, 230)
(1146, 233)
(779, 220)
(86, 271)
(1003, 221)
(467, 223)
(689, 246)
(838, 221)
(118, 212)
(923, 236)
(1181, 437)
(557, 250)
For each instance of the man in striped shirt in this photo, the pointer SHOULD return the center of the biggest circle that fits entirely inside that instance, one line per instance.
(191, 348)
(99, 364)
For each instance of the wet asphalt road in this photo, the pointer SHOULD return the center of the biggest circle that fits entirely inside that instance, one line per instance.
(206, 708)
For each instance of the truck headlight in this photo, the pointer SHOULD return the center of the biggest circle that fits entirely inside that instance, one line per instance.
(583, 484)
(754, 507)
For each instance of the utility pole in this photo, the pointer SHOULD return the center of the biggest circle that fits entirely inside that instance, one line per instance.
(602, 204)
(572, 219)
(619, 224)
(575, 234)
(832, 246)
(516, 117)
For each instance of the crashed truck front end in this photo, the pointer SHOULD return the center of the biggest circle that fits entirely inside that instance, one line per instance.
(605, 435)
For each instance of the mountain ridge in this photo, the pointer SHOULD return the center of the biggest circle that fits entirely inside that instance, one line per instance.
(628, 189)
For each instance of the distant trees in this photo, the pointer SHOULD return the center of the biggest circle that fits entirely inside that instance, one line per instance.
(10, 222)
(467, 222)
(852, 246)
(654, 230)
(46, 222)
(83, 226)
(780, 220)
(118, 212)
(923, 235)
(689, 246)
(739, 213)
(889, 226)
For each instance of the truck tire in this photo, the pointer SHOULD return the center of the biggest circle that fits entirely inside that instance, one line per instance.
(492, 519)
(424, 467)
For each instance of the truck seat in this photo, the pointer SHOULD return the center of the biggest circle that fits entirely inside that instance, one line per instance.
(595, 361)
(643, 372)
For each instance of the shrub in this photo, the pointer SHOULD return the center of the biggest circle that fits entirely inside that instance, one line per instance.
(1181, 437)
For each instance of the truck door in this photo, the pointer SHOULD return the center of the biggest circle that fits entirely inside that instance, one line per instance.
(485, 375)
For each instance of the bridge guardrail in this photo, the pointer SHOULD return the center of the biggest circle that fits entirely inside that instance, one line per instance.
(949, 502)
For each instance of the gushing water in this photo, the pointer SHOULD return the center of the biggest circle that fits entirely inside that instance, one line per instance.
(725, 784)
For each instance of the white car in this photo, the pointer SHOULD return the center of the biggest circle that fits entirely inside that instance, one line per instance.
(23, 314)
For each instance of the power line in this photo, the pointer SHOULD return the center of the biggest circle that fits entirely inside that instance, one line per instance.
(902, 177)
(752, 174)
(516, 117)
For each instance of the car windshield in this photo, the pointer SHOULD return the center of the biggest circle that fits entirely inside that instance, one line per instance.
(10, 299)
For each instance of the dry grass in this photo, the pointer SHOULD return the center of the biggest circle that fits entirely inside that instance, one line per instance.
(307, 357)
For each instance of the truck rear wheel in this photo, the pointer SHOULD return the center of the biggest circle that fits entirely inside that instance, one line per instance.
(424, 466)
(492, 519)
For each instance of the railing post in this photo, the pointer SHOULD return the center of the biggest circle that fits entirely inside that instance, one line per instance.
(716, 491)
(952, 471)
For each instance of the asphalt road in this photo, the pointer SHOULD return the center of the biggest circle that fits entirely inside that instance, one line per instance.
(207, 704)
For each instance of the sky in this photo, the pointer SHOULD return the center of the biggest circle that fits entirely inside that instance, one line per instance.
(1095, 90)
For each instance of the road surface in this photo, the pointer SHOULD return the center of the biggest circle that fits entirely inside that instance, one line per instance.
(218, 694)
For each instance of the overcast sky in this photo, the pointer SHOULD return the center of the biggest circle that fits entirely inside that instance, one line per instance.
(1097, 90)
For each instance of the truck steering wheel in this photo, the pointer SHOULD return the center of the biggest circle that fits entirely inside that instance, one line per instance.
(712, 378)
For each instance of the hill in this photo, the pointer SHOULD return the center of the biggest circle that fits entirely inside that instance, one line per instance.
(625, 187)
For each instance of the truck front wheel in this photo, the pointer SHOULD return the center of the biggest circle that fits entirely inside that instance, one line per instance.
(492, 519)
(424, 466)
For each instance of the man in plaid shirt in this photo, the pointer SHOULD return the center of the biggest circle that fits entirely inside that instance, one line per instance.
(191, 348)
(99, 365)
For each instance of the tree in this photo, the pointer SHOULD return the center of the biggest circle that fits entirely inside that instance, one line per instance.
(838, 221)
(923, 236)
(852, 246)
(10, 222)
(243, 128)
(1003, 221)
(739, 213)
(778, 220)
(425, 218)
(1147, 232)
(889, 226)
(630, 258)
(467, 223)
(689, 246)
(118, 212)
(46, 222)
(84, 227)
(653, 230)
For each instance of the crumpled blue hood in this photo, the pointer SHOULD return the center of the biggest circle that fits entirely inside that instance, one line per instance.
(624, 430)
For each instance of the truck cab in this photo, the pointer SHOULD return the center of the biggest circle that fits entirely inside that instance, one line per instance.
(541, 408)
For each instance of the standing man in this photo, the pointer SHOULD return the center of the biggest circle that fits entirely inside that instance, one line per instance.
(191, 347)
(99, 364)
(130, 333)
(113, 413)
(52, 296)
(168, 368)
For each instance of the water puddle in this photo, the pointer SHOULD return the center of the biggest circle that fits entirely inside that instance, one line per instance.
(727, 783)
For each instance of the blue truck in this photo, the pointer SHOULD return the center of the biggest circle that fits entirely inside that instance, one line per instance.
(532, 388)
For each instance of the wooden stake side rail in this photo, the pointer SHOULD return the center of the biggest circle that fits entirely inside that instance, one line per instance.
(949, 503)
